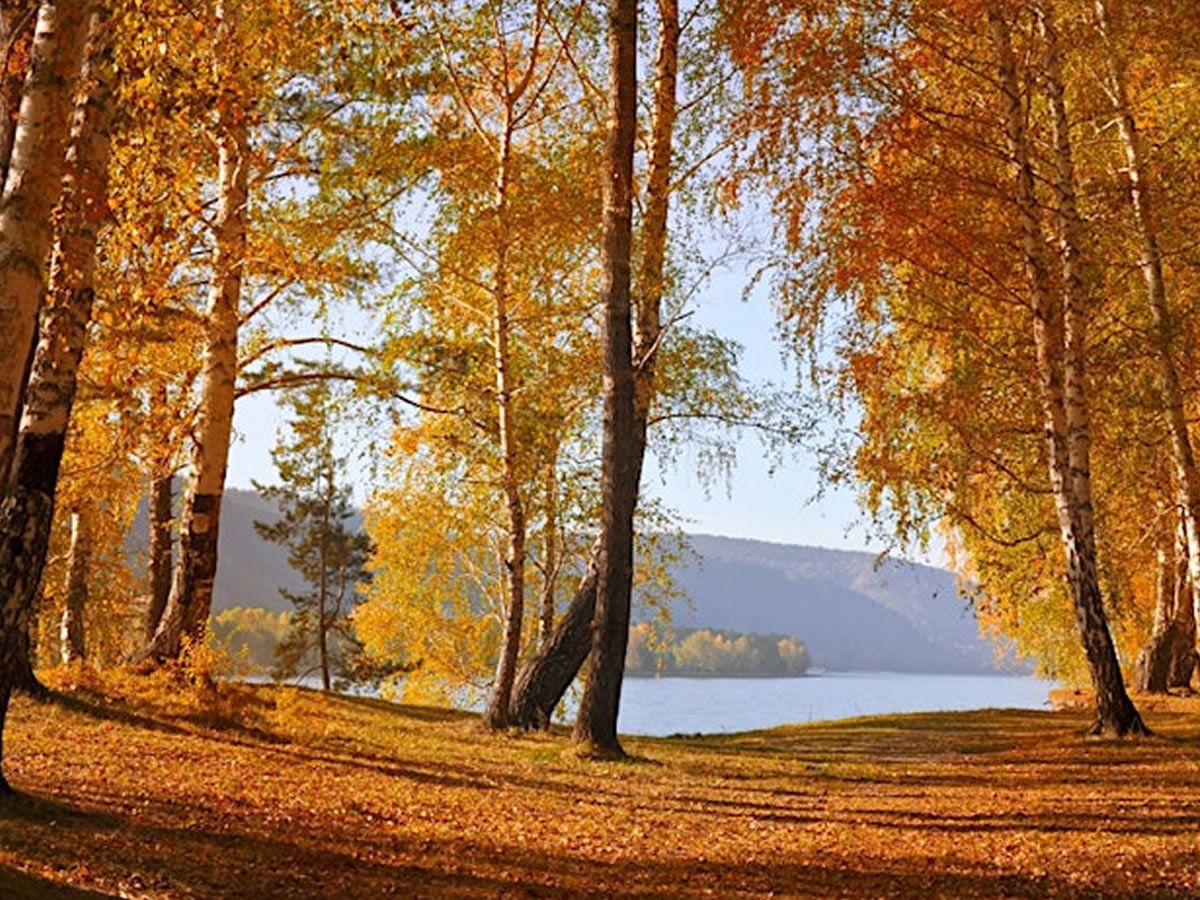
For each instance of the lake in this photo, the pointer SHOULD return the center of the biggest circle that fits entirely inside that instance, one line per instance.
(663, 706)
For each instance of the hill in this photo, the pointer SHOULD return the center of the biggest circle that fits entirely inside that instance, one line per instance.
(850, 612)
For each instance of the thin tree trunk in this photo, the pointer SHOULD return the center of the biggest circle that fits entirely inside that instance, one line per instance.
(192, 585)
(71, 633)
(513, 574)
(1065, 412)
(545, 678)
(31, 191)
(551, 561)
(596, 725)
(33, 187)
(162, 513)
(323, 588)
(1141, 199)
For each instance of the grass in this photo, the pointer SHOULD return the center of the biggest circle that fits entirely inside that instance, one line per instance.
(288, 793)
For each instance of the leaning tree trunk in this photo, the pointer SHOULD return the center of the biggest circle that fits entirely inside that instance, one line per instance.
(31, 191)
(192, 585)
(1141, 200)
(32, 188)
(71, 632)
(545, 678)
(1065, 414)
(596, 726)
(50, 394)
(17, 19)
(161, 516)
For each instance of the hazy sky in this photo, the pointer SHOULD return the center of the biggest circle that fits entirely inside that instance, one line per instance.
(774, 508)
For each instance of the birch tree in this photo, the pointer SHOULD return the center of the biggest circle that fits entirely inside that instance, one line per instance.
(596, 725)
(1060, 357)
(1142, 204)
(31, 190)
(50, 394)
(190, 599)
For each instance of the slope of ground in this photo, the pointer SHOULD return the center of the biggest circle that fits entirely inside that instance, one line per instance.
(287, 793)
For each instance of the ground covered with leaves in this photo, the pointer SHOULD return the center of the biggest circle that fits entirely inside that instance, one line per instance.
(282, 792)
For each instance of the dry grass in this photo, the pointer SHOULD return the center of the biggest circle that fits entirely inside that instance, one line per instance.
(287, 793)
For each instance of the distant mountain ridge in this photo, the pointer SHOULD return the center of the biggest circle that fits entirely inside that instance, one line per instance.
(850, 612)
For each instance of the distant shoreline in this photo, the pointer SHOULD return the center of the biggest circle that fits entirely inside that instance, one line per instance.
(817, 673)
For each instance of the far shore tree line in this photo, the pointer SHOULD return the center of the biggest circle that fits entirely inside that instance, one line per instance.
(263, 642)
(468, 235)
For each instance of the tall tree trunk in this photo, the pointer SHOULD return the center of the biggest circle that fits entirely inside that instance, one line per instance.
(17, 19)
(162, 513)
(35, 182)
(1141, 199)
(50, 395)
(31, 191)
(192, 584)
(545, 678)
(71, 633)
(1064, 406)
(497, 713)
(596, 726)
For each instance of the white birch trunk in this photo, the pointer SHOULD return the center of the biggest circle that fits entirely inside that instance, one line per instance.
(1059, 364)
(513, 573)
(31, 191)
(1141, 199)
(71, 630)
(192, 585)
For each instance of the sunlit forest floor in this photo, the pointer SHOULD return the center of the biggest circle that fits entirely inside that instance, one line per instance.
(286, 793)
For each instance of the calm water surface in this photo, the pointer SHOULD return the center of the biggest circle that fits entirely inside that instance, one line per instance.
(663, 706)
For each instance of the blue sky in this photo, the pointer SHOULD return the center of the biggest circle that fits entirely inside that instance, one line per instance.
(778, 507)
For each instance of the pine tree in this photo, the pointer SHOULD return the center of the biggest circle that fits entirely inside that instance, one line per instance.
(323, 546)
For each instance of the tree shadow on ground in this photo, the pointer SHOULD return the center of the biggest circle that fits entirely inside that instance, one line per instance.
(16, 885)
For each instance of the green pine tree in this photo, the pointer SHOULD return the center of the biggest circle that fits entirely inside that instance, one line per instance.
(323, 547)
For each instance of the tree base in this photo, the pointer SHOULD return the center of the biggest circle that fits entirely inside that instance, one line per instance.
(493, 721)
(593, 752)
(1168, 660)
(1132, 727)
